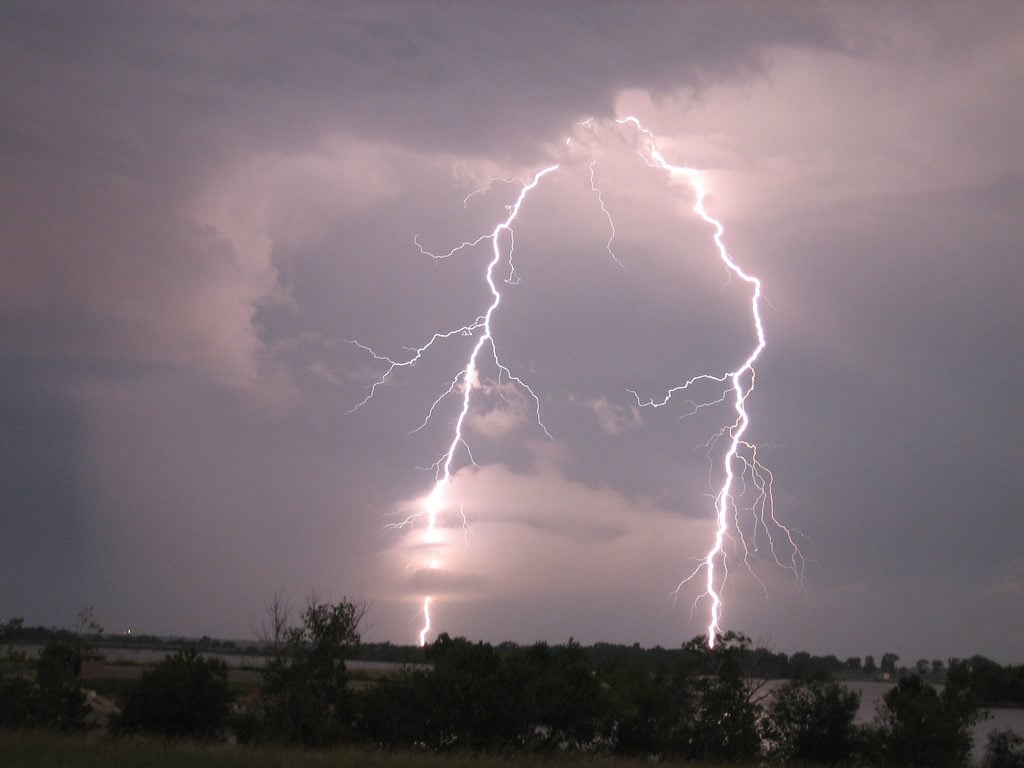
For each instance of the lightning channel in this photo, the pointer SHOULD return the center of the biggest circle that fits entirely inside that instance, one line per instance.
(739, 460)
(467, 380)
(738, 469)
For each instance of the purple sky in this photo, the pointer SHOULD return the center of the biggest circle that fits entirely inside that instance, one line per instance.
(201, 203)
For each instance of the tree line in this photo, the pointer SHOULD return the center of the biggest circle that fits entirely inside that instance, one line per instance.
(690, 703)
(996, 685)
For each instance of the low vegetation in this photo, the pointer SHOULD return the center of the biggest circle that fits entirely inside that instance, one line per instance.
(693, 705)
(34, 749)
(186, 695)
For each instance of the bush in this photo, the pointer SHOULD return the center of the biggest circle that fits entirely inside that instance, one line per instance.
(184, 695)
(52, 699)
(812, 721)
(724, 724)
(18, 702)
(559, 700)
(473, 697)
(60, 703)
(919, 726)
(305, 685)
(471, 704)
(638, 707)
(719, 717)
(394, 712)
(17, 693)
(1005, 749)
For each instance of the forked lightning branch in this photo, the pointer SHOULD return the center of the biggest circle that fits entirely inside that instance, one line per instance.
(739, 469)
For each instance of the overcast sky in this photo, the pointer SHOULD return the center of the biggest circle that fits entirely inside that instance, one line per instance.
(203, 203)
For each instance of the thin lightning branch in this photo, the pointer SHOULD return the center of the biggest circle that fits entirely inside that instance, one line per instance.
(481, 190)
(604, 209)
(426, 621)
(589, 124)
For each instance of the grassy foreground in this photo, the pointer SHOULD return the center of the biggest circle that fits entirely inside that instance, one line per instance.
(31, 749)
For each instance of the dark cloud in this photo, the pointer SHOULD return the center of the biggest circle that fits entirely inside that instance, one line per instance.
(460, 76)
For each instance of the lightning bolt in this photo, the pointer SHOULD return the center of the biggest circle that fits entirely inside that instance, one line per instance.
(468, 378)
(422, 637)
(739, 463)
(740, 457)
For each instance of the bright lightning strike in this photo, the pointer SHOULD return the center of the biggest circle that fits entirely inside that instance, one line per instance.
(467, 379)
(739, 464)
(422, 638)
(738, 385)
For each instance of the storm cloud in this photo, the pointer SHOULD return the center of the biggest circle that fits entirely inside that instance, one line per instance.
(199, 206)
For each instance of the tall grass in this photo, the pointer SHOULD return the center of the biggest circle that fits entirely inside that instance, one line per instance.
(31, 749)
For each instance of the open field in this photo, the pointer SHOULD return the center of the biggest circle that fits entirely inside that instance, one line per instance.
(26, 749)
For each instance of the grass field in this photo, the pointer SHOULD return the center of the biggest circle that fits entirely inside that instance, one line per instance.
(27, 749)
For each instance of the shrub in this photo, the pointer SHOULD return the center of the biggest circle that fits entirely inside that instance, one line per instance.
(638, 707)
(52, 699)
(812, 721)
(471, 702)
(919, 726)
(1005, 749)
(724, 721)
(395, 711)
(18, 702)
(305, 685)
(719, 714)
(184, 695)
(559, 700)
(474, 697)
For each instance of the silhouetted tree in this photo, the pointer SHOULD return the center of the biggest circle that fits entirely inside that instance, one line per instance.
(639, 709)
(720, 709)
(396, 711)
(812, 721)
(992, 683)
(305, 696)
(888, 663)
(59, 701)
(804, 666)
(1005, 749)
(473, 700)
(49, 699)
(562, 696)
(17, 692)
(18, 702)
(920, 726)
